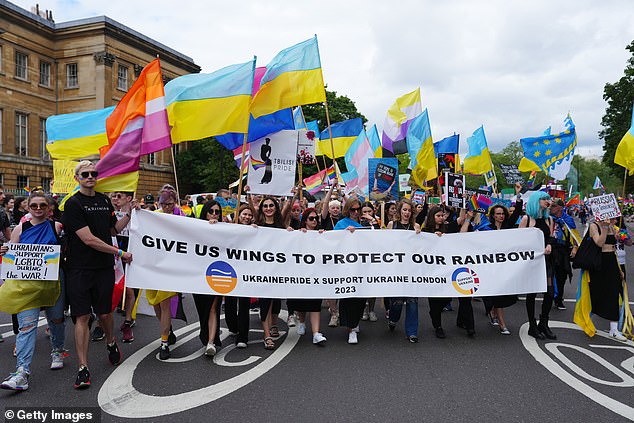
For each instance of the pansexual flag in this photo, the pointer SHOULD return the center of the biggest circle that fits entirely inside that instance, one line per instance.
(137, 126)
(399, 116)
(77, 135)
(343, 135)
(205, 105)
(292, 78)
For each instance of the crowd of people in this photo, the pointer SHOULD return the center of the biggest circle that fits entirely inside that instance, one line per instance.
(91, 219)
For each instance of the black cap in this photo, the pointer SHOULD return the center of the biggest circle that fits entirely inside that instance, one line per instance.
(148, 199)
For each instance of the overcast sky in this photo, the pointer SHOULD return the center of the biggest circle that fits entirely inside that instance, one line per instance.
(515, 67)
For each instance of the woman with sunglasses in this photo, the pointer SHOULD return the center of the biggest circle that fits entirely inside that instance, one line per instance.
(25, 297)
(269, 215)
(538, 216)
(351, 309)
(368, 220)
(237, 308)
(405, 220)
(207, 305)
(309, 222)
(161, 300)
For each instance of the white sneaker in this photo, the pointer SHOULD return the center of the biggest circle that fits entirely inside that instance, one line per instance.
(57, 360)
(241, 345)
(366, 315)
(352, 338)
(210, 351)
(319, 339)
(301, 329)
(290, 320)
(356, 330)
(334, 320)
(18, 381)
(618, 336)
(373, 317)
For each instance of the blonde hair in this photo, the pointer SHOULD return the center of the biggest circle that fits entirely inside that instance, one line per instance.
(82, 164)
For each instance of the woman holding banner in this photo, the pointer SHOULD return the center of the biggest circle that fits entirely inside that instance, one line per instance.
(405, 220)
(269, 215)
(25, 297)
(351, 309)
(208, 306)
(436, 223)
(369, 220)
(538, 216)
(309, 222)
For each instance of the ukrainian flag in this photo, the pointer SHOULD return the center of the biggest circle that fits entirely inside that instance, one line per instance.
(205, 105)
(77, 135)
(421, 144)
(478, 160)
(343, 135)
(292, 78)
(624, 155)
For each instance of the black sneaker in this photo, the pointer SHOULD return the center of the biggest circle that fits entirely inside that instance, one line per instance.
(83, 378)
(171, 338)
(413, 339)
(114, 355)
(98, 334)
(561, 306)
(391, 325)
(164, 351)
(440, 333)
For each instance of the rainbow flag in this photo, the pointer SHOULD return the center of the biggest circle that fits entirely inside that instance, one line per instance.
(315, 183)
(76, 135)
(292, 78)
(257, 164)
(137, 126)
(473, 203)
(204, 105)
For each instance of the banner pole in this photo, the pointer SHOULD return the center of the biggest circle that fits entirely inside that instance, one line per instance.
(624, 182)
(175, 177)
(244, 148)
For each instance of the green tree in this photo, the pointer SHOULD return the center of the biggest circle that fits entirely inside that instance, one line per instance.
(618, 115)
(205, 166)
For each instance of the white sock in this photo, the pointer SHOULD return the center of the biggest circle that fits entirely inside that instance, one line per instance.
(614, 327)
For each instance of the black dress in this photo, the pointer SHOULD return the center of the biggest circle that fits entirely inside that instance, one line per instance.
(606, 285)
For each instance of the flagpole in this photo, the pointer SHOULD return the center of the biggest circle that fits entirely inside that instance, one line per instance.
(624, 182)
(244, 149)
(175, 177)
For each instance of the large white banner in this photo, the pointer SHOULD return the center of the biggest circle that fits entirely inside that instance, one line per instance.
(272, 164)
(173, 253)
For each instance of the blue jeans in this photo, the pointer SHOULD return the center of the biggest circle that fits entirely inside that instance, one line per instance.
(27, 321)
(411, 314)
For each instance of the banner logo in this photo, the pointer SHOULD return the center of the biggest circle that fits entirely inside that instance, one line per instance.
(465, 281)
(221, 277)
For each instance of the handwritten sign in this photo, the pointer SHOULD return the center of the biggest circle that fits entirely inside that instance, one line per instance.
(512, 174)
(604, 207)
(63, 176)
(33, 262)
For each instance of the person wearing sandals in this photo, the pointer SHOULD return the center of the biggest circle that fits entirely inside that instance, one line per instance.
(405, 220)
(502, 219)
(269, 215)
(351, 309)
(309, 222)
(25, 297)
(237, 308)
(435, 223)
(207, 305)
(538, 216)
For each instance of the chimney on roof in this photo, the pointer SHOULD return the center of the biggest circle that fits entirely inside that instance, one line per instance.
(44, 14)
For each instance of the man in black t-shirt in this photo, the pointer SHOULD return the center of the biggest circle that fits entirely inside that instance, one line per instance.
(90, 223)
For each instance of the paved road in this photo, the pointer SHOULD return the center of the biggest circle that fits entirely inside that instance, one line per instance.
(382, 379)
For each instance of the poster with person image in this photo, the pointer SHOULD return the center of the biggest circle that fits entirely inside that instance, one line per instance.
(454, 190)
(273, 163)
(383, 179)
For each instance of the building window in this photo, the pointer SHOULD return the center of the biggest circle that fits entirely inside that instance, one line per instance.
(21, 134)
(43, 139)
(151, 158)
(46, 184)
(21, 65)
(45, 74)
(72, 80)
(122, 78)
(23, 181)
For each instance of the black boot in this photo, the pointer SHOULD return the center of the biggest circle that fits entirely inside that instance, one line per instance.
(543, 328)
(533, 331)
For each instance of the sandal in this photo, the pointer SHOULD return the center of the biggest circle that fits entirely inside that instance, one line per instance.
(268, 343)
(275, 333)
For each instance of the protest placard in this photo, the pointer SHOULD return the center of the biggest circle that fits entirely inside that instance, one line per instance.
(34, 262)
(512, 174)
(604, 207)
(454, 190)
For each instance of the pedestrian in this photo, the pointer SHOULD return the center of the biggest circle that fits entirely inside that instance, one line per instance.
(564, 248)
(368, 220)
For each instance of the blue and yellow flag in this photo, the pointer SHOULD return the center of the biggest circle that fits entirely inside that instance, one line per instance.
(343, 135)
(478, 160)
(77, 135)
(624, 155)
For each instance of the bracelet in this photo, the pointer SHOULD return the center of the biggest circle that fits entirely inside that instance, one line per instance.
(120, 253)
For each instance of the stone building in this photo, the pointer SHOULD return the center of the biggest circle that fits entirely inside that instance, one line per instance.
(49, 68)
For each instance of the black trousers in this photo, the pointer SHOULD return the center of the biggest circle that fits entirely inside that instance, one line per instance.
(203, 306)
(546, 305)
(237, 317)
(465, 312)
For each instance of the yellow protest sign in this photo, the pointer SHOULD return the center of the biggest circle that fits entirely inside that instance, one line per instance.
(63, 176)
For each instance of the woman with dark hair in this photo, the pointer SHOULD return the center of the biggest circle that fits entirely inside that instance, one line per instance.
(436, 223)
(269, 215)
(208, 306)
(351, 309)
(309, 222)
(237, 308)
(405, 220)
(19, 209)
(368, 220)
(538, 216)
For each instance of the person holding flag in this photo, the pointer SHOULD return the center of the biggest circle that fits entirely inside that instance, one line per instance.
(564, 248)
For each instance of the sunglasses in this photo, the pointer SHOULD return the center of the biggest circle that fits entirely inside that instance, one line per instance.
(355, 209)
(38, 206)
(311, 218)
(168, 204)
(214, 211)
(92, 173)
(268, 206)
